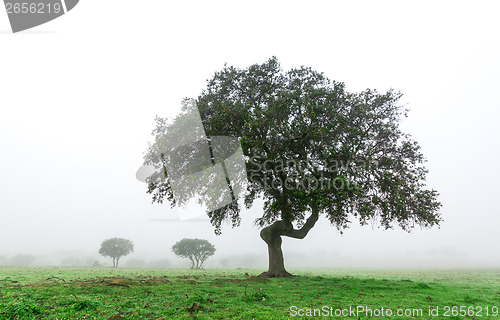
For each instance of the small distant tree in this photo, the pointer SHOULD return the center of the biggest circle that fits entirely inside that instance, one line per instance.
(196, 250)
(116, 248)
(135, 263)
(72, 262)
(22, 260)
(224, 262)
(159, 264)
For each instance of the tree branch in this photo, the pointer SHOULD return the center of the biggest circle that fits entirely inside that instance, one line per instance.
(302, 232)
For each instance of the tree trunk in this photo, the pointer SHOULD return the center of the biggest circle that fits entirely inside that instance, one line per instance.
(272, 236)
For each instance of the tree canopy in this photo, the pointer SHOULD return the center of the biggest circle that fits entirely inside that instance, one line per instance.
(311, 148)
(116, 248)
(196, 250)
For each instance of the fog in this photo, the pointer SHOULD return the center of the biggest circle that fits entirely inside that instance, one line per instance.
(77, 106)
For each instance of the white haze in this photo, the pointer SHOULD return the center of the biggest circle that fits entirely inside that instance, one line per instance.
(78, 97)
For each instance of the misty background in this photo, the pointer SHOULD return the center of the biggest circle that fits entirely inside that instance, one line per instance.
(78, 97)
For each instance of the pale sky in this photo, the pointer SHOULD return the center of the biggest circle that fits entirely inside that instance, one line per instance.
(78, 97)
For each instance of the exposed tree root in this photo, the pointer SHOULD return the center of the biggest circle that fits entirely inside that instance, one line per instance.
(279, 274)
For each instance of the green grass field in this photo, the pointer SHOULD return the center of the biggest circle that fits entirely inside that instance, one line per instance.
(101, 293)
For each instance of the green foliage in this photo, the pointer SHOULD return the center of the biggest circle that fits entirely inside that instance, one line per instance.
(116, 248)
(258, 296)
(22, 309)
(85, 304)
(311, 146)
(196, 250)
(421, 285)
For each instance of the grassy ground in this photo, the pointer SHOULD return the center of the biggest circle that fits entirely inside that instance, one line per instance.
(99, 293)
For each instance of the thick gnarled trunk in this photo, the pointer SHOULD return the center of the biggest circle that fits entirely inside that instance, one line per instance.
(272, 236)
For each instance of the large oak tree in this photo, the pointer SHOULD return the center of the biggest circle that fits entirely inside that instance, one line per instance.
(311, 148)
